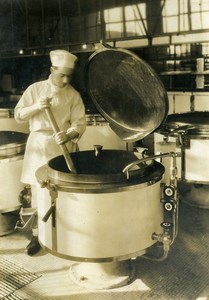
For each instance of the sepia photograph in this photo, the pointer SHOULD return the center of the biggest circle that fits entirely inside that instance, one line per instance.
(104, 149)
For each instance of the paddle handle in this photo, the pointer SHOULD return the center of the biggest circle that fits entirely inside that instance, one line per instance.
(62, 146)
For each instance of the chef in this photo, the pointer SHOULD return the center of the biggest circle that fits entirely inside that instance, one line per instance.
(69, 111)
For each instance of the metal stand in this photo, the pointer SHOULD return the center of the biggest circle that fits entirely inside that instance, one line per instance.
(103, 275)
(27, 219)
(8, 221)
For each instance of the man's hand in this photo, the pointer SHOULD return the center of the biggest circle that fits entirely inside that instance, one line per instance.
(44, 102)
(61, 137)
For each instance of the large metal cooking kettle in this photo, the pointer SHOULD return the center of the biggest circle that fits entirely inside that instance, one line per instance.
(12, 143)
(127, 92)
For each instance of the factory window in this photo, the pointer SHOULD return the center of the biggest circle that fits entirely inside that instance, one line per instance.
(185, 15)
(199, 14)
(135, 20)
(125, 21)
(175, 16)
(113, 19)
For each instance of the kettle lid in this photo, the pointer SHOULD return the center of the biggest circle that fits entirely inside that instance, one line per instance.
(127, 92)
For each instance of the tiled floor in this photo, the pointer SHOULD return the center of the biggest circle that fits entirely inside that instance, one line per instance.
(184, 275)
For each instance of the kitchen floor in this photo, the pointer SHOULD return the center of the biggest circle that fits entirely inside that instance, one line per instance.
(184, 275)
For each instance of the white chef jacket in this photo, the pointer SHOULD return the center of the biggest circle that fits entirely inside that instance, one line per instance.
(69, 112)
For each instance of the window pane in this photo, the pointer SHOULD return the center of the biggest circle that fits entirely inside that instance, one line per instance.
(134, 28)
(205, 20)
(205, 5)
(170, 24)
(196, 21)
(170, 8)
(184, 24)
(133, 12)
(114, 30)
(183, 5)
(113, 15)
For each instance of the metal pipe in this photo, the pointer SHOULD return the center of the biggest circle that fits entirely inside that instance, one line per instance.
(168, 154)
(165, 239)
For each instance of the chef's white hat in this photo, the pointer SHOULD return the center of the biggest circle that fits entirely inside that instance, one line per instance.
(62, 59)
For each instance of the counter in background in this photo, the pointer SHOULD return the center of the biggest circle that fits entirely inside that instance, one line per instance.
(180, 102)
(7, 121)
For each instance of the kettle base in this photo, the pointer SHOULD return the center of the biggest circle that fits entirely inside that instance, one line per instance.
(101, 276)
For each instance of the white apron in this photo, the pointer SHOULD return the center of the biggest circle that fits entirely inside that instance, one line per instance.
(40, 148)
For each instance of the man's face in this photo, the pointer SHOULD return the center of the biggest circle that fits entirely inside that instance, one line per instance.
(61, 76)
